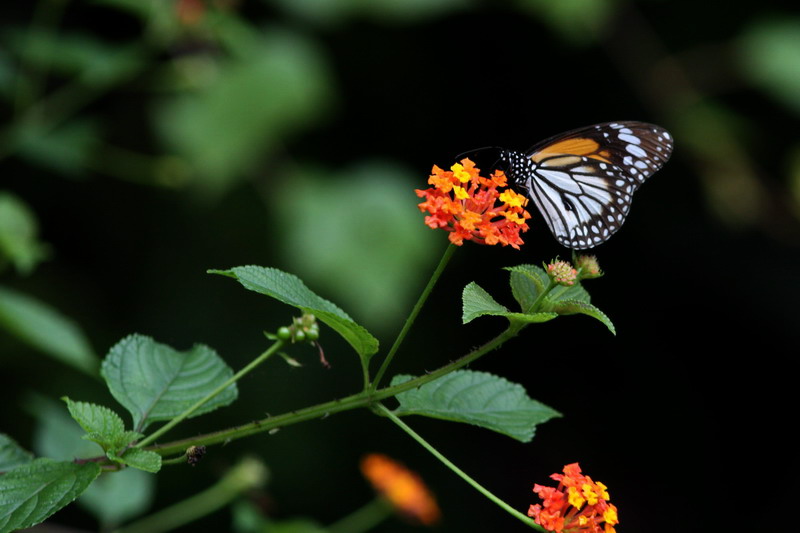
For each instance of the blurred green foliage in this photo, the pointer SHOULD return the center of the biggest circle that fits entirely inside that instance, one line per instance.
(145, 141)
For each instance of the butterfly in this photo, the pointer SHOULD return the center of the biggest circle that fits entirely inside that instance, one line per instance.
(582, 181)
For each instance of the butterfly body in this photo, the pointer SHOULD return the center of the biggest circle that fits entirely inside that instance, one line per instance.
(582, 181)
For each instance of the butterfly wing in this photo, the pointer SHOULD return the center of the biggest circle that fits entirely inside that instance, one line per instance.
(582, 181)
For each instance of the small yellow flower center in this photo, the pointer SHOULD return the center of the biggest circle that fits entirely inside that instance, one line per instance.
(460, 192)
(459, 172)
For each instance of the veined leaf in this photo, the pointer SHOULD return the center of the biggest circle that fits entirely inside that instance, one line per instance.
(155, 382)
(142, 459)
(477, 302)
(33, 492)
(572, 307)
(290, 290)
(102, 425)
(476, 398)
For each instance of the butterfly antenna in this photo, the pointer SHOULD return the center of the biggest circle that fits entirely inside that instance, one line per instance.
(475, 150)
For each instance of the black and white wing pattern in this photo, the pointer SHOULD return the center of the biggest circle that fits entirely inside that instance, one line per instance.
(582, 181)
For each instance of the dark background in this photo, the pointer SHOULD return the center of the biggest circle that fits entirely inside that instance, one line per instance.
(142, 173)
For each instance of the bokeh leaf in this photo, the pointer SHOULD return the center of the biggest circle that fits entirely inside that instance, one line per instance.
(391, 249)
(476, 398)
(35, 491)
(770, 56)
(275, 85)
(12, 454)
(118, 496)
(155, 382)
(291, 290)
(19, 235)
(337, 11)
(44, 328)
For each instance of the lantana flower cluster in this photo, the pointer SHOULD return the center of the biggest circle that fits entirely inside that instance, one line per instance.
(472, 207)
(577, 505)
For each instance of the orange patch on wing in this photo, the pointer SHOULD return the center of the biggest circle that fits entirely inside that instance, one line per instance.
(574, 146)
(580, 146)
(602, 155)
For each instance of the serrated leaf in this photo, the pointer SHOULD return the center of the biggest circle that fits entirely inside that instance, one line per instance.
(291, 290)
(102, 425)
(477, 302)
(142, 459)
(12, 454)
(155, 382)
(117, 496)
(33, 492)
(477, 398)
(571, 307)
(46, 329)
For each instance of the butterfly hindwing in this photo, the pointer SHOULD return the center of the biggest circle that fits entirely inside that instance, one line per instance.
(582, 180)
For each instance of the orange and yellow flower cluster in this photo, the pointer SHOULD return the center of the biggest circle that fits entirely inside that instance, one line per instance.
(402, 488)
(463, 202)
(578, 504)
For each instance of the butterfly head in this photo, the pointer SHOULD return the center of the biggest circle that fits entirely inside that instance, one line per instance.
(516, 166)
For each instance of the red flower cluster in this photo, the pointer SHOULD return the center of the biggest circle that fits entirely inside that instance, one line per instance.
(578, 504)
(462, 202)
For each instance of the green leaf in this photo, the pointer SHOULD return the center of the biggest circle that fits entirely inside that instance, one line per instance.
(290, 290)
(46, 329)
(284, 72)
(477, 302)
(32, 492)
(391, 253)
(572, 307)
(770, 56)
(117, 496)
(476, 398)
(102, 425)
(93, 62)
(578, 22)
(19, 235)
(67, 149)
(12, 454)
(142, 459)
(155, 382)
(528, 282)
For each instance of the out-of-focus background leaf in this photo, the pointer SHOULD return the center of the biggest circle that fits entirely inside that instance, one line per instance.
(144, 142)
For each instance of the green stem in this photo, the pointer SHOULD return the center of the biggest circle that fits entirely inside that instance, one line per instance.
(463, 475)
(248, 474)
(448, 253)
(362, 519)
(361, 399)
(191, 410)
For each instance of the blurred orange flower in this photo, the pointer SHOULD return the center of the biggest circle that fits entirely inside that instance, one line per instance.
(463, 203)
(577, 505)
(403, 488)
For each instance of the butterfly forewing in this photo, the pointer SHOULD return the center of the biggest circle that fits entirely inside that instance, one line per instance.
(582, 181)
